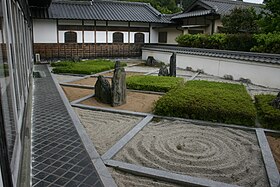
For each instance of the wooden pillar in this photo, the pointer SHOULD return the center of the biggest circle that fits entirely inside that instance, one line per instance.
(95, 38)
(83, 36)
(149, 33)
(107, 38)
(129, 52)
(57, 39)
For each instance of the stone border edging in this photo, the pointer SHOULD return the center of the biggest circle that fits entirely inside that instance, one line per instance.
(269, 162)
(126, 138)
(100, 167)
(164, 175)
(77, 86)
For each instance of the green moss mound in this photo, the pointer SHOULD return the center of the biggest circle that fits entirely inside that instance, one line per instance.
(85, 67)
(153, 83)
(209, 101)
(268, 116)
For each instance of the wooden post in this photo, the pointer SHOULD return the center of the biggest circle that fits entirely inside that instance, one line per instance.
(107, 38)
(129, 52)
(95, 38)
(57, 39)
(149, 33)
(83, 36)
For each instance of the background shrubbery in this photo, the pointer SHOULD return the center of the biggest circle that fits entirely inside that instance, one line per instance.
(85, 67)
(153, 83)
(263, 43)
(209, 101)
(268, 116)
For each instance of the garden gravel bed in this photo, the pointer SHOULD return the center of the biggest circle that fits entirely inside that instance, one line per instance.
(73, 93)
(104, 128)
(124, 179)
(218, 153)
(135, 101)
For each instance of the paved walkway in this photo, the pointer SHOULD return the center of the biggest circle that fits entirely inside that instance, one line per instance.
(58, 155)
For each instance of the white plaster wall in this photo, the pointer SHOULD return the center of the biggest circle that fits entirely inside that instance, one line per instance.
(89, 36)
(100, 37)
(154, 35)
(79, 36)
(258, 73)
(218, 23)
(44, 31)
(172, 33)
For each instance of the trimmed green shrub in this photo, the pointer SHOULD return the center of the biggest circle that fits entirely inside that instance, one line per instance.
(268, 116)
(153, 83)
(209, 101)
(267, 43)
(85, 67)
(262, 43)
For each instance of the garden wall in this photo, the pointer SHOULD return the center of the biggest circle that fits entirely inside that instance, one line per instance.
(261, 73)
(86, 50)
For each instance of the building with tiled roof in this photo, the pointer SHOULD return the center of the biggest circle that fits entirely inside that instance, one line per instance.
(90, 29)
(204, 16)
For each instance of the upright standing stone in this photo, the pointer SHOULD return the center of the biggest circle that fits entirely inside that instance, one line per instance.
(173, 65)
(118, 87)
(276, 102)
(103, 90)
(117, 64)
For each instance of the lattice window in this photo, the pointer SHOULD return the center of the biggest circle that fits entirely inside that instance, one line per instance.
(117, 37)
(70, 37)
(139, 38)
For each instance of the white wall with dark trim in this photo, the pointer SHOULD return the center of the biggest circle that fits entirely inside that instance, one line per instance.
(259, 73)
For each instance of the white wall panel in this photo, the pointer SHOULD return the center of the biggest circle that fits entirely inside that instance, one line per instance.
(45, 31)
(89, 36)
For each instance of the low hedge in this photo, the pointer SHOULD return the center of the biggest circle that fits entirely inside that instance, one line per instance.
(268, 116)
(262, 43)
(209, 101)
(85, 67)
(153, 83)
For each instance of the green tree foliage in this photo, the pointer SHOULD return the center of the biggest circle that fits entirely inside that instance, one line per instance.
(164, 6)
(270, 21)
(241, 20)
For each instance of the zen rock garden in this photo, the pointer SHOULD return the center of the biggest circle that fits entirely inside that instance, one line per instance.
(115, 95)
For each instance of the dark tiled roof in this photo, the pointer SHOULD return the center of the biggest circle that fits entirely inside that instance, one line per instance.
(192, 14)
(237, 55)
(102, 10)
(222, 7)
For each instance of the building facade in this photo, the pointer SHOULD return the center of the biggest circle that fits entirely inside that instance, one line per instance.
(16, 59)
(98, 29)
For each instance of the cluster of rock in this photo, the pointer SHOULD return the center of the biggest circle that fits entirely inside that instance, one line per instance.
(276, 102)
(115, 95)
(163, 71)
(151, 61)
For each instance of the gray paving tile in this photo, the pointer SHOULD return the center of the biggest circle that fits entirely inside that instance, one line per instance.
(58, 154)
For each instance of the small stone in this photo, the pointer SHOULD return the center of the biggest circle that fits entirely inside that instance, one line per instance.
(173, 65)
(200, 70)
(228, 77)
(163, 71)
(103, 90)
(189, 68)
(151, 61)
(119, 87)
(246, 81)
(76, 59)
(276, 102)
